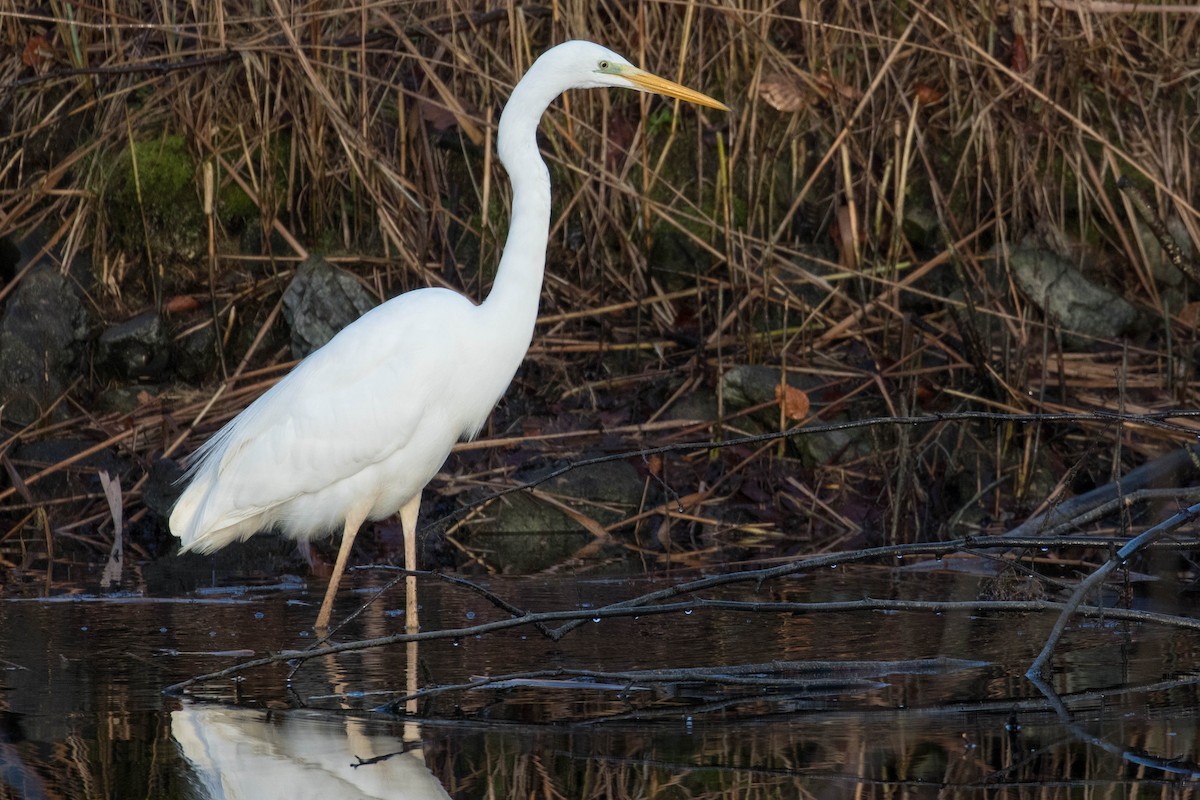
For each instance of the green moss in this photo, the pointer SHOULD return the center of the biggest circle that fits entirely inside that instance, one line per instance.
(234, 206)
(161, 171)
(152, 199)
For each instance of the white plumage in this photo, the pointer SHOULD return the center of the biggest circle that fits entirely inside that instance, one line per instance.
(359, 427)
(373, 413)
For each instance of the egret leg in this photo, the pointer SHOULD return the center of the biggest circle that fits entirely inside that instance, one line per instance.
(410, 681)
(354, 521)
(408, 521)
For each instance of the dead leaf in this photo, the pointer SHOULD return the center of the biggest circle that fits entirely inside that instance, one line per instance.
(793, 401)
(1189, 315)
(828, 86)
(796, 93)
(1020, 56)
(783, 93)
(181, 304)
(654, 465)
(37, 53)
(927, 95)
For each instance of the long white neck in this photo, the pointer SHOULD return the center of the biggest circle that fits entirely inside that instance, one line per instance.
(518, 285)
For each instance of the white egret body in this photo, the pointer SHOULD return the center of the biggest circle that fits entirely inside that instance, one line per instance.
(359, 427)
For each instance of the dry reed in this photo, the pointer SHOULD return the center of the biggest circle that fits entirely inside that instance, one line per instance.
(840, 224)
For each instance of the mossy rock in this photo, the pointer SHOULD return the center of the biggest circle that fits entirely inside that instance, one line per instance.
(234, 206)
(155, 180)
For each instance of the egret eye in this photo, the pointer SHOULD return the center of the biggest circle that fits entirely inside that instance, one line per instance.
(604, 65)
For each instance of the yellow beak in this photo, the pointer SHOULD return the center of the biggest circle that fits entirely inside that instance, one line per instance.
(652, 83)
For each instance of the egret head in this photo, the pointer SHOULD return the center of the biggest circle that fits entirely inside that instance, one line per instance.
(570, 65)
(586, 65)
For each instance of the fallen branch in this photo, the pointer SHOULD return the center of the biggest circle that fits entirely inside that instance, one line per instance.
(1098, 577)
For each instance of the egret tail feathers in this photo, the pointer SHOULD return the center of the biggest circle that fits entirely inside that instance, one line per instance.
(204, 529)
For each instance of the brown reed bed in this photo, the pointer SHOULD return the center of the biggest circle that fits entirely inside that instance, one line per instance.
(846, 224)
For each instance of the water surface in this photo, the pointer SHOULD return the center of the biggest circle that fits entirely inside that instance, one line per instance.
(84, 715)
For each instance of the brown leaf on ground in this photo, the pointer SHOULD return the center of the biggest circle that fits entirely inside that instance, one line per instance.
(37, 53)
(927, 95)
(783, 93)
(793, 401)
(828, 86)
(654, 464)
(181, 304)
(788, 93)
(1020, 56)
(145, 399)
(1189, 315)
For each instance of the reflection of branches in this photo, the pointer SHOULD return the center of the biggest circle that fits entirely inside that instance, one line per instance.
(648, 604)
(1133, 487)
(1170, 765)
(836, 676)
(1091, 704)
(652, 602)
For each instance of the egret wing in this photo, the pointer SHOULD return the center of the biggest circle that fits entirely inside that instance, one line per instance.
(353, 403)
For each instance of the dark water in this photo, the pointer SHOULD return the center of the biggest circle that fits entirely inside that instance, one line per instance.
(84, 716)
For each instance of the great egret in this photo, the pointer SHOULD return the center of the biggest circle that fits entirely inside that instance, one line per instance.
(359, 427)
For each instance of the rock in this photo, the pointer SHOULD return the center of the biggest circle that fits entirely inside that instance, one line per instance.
(152, 198)
(748, 385)
(609, 491)
(523, 534)
(319, 302)
(195, 354)
(1068, 298)
(613, 483)
(700, 404)
(833, 447)
(124, 398)
(530, 553)
(137, 348)
(921, 226)
(42, 331)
